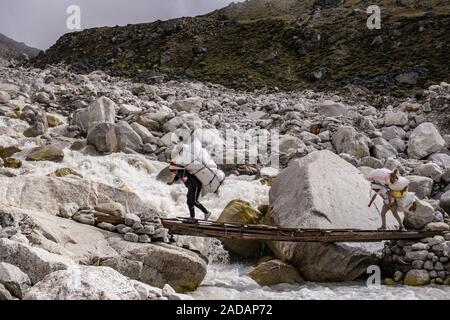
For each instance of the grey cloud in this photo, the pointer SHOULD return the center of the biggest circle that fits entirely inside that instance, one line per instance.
(40, 23)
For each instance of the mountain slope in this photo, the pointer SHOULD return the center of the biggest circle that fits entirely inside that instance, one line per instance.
(10, 49)
(291, 44)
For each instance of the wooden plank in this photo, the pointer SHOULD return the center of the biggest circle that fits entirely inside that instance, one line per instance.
(259, 232)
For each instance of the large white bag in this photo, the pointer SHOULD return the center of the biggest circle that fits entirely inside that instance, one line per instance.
(198, 162)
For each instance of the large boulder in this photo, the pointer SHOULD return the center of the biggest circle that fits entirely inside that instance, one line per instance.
(35, 262)
(324, 191)
(421, 186)
(417, 278)
(107, 138)
(84, 283)
(47, 194)
(348, 140)
(193, 104)
(274, 272)
(289, 144)
(444, 202)
(395, 119)
(425, 140)
(126, 137)
(4, 294)
(241, 212)
(330, 108)
(418, 215)
(158, 264)
(103, 110)
(103, 137)
(46, 153)
(13, 279)
(39, 125)
(4, 97)
(430, 170)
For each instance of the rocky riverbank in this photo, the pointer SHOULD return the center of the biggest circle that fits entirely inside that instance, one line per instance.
(77, 147)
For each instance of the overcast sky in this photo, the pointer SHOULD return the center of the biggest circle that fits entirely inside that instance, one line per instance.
(39, 23)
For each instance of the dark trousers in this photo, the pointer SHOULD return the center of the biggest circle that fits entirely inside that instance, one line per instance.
(192, 198)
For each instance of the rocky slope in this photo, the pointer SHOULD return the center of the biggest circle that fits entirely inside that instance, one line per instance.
(56, 127)
(10, 49)
(286, 44)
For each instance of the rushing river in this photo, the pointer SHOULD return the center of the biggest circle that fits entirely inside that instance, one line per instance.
(223, 280)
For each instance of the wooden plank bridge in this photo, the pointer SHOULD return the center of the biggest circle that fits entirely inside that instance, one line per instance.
(202, 228)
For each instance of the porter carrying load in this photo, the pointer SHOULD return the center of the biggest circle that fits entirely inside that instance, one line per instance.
(196, 160)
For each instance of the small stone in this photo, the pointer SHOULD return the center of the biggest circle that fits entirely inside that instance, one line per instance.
(111, 208)
(417, 255)
(143, 238)
(435, 240)
(438, 266)
(170, 293)
(438, 281)
(420, 246)
(428, 265)
(443, 259)
(149, 229)
(119, 227)
(437, 226)
(447, 281)
(432, 274)
(398, 275)
(85, 218)
(106, 226)
(441, 274)
(67, 210)
(417, 264)
(131, 219)
(388, 282)
(125, 230)
(130, 236)
(12, 163)
(138, 226)
(161, 235)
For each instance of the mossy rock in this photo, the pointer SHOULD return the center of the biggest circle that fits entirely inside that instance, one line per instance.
(417, 278)
(447, 282)
(46, 153)
(267, 181)
(389, 282)
(62, 172)
(53, 121)
(264, 259)
(275, 272)
(78, 145)
(12, 163)
(8, 151)
(241, 212)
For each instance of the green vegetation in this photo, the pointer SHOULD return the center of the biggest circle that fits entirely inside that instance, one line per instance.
(289, 44)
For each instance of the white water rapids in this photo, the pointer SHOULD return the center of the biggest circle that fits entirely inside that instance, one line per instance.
(223, 280)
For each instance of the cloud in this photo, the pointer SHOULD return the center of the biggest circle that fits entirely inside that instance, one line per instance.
(40, 23)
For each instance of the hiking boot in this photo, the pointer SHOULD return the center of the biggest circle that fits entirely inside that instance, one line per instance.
(207, 215)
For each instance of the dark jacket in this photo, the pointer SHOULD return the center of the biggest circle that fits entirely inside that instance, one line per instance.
(191, 182)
